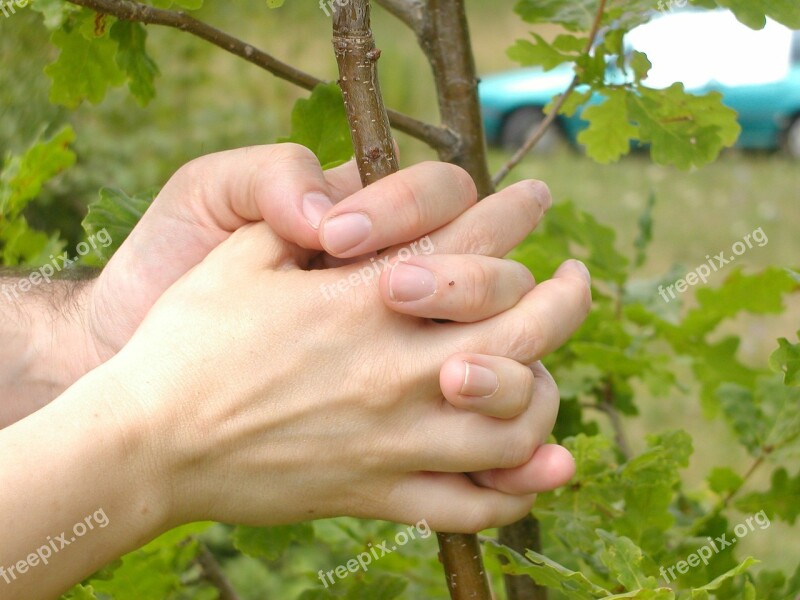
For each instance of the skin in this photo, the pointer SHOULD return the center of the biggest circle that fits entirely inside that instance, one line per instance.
(284, 406)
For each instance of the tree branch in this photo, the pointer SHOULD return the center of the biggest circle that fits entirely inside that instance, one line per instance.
(538, 133)
(128, 10)
(212, 572)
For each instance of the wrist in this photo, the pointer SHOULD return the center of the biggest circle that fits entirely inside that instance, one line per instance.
(60, 335)
(45, 346)
(134, 415)
(145, 403)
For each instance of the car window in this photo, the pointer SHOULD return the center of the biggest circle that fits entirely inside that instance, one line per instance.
(713, 47)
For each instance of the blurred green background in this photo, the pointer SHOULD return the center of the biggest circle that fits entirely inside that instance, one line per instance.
(208, 100)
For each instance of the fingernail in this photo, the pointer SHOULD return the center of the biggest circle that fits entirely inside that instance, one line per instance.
(408, 283)
(479, 381)
(582, 268)
(315, 206)
(346, 231)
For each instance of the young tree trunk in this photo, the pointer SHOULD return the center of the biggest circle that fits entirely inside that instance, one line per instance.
(357, 57)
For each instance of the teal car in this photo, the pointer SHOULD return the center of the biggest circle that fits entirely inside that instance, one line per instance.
(757, 72)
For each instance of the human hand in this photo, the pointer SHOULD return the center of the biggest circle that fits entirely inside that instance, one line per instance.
(240, 435)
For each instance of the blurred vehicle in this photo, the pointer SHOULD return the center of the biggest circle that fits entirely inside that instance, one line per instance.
(757, 72)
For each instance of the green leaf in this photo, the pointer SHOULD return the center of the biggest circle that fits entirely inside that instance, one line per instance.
(624, 561)
(753, 13)
(85, 68)
(648, 480)
(275, 3)
(767, 419)
(156, 570)
(640, 65)
(682, 129)
(544, 54)
(117, 214)
(610, 131)
(54, 11)
(701, 593)
(22, 178)
(545, 572)
(80, 592)
(724, 480)
(786, 360)
(574, 15)
(133, 59)
(645, 594)
(271, 542)
(320, 124)
(780, 500)
(759, 294)
(567, 227)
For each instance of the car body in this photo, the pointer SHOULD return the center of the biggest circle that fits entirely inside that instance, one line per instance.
(757, 73)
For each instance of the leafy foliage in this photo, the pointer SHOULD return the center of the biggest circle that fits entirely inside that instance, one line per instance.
(680, 128)
(21, 181)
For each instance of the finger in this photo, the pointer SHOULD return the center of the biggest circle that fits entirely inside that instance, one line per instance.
(452, 502)
(539, 323)
(282, 184)
(551, 467)
(489, 385)
(457, 288)
(497, 224)
(397, 209)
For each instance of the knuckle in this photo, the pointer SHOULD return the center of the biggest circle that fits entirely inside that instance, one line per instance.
(527, 340)
(478, 291)
(467, 188)
(482, 516)
(291, 152)
(479, 240)
(407, 203)
(524, 392)
(518, 450)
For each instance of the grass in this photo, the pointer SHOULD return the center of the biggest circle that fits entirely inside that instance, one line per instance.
(209, 101)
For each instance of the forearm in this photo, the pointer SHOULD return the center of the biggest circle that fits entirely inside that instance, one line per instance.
(79, 467)
(43, 342)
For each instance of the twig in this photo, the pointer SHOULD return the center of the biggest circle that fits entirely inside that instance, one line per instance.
(212, 572)
(753, 468)
(128, 10)
(538, 133)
